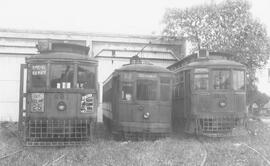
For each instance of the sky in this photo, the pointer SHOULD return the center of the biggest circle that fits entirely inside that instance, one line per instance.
(141, 17)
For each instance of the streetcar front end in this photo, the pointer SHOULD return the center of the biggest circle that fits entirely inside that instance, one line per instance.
(218, 98)
(58, 98)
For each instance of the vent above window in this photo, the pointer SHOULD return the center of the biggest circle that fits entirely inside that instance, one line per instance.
(203, 54)
(62, 46)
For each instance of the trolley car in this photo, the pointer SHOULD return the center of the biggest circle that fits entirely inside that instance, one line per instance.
(209, 95)
(137, 101)
(58, 96)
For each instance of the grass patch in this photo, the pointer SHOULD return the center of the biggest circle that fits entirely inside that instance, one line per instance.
(172, 151)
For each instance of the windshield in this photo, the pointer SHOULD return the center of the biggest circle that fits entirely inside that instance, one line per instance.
(238, 80)
(62, 76)
(126, 93)
(86, 77)
(146, 89)
(38, 75)
(221, 78)
(201, 79)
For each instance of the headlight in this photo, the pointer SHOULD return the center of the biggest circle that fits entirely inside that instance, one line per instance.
(146, 115)
(222, 104)
(37, 102)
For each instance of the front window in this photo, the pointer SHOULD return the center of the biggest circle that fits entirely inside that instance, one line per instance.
(238, 80)
(86, 77)
(126, 76)
(221, 78)
(201, 79)
(179, 77)
(126, 91)
(165, 92)
(146, 89)
(62, 76)
(38, 75)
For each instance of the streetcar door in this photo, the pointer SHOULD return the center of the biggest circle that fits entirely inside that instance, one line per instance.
(22, 97)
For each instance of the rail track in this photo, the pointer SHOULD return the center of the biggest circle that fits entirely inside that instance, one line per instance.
(57, 161)
(201, 140)
(9, 150)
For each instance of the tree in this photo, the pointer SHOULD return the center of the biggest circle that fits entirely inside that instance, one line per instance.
(260, 99)
(228, 26)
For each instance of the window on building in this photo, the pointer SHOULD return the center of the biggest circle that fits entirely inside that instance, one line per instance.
(62, 76)
(38, 75)
(146, 89)
(221, 78)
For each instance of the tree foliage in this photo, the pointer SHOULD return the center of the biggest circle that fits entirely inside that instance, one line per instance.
(261, 99)
(228, 26)
(258, 98)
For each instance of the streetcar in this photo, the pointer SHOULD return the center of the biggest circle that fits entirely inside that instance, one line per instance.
(209, 94)
(137, 101)
(58, 96)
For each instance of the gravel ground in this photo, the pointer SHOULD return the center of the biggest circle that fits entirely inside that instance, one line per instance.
(245, 148)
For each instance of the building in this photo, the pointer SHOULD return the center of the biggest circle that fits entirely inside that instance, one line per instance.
(112, 51)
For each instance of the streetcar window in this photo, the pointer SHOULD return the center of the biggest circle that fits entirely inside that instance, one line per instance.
(126, 91)
(179, 86)
(165, 89)
(86, 77)
(238, 80)
(38, 75)
(175, 92)
(146, 89)
(221, 78)
(180, 77)
(62, 76)
(200, 81)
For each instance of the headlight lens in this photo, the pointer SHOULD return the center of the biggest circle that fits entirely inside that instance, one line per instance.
(222, 103)
(61, 106)
(146, 115)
